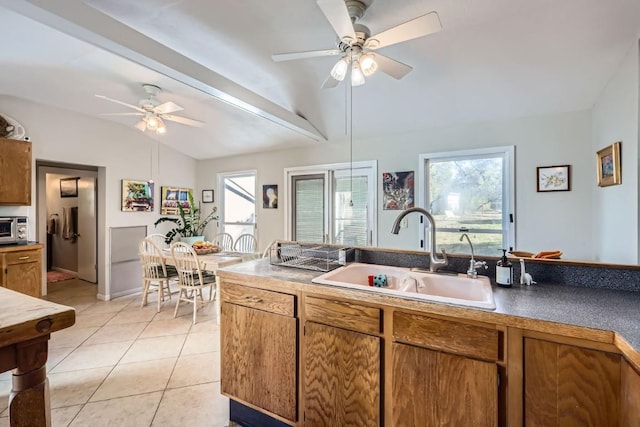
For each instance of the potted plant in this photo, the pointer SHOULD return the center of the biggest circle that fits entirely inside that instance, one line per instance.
(189, 225)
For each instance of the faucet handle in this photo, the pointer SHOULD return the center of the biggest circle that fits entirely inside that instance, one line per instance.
(479, 264)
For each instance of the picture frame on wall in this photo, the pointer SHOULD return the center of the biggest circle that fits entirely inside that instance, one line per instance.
(553, 178)
(137, 196)
(69, 187)
(207, 196)
(608, 163)
(270, 196)
(170, 197)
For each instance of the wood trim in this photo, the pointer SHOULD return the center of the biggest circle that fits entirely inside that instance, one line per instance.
(579, 342)
(15, 248)
(515, 377)
(455, 337)
(343, 314)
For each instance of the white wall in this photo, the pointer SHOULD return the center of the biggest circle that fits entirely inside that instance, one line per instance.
(543, 220)
(120, 152)
(615, 118)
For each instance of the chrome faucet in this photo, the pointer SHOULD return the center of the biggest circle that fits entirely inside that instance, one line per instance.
(435, 263)
(473, 264)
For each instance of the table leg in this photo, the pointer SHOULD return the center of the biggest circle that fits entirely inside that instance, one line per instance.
(29, 403)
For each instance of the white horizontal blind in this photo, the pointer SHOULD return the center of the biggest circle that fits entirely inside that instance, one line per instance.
(351, 218)
(309, 208)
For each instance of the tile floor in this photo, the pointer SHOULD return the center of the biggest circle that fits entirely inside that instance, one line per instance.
(122, 365)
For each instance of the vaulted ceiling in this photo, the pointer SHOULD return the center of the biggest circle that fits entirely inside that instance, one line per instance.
(493, 59)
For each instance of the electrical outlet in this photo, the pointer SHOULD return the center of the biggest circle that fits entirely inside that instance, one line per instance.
(404, 223)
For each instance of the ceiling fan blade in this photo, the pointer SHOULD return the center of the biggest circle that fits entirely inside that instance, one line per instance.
(121, 114)
(392, 67)
(183, 120)
(135, 107)
(167, 107)
(303, 55)
(418, 27)
(338, 16)
(330, 82)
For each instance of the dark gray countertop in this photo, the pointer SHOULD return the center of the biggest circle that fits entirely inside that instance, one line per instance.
(603, 309)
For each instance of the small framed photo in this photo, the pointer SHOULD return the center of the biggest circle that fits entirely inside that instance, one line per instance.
(554, 178)
(270, 196)
(69, 187)
(207, 196)
(608, 164)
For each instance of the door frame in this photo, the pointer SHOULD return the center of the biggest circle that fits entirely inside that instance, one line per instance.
(42, 169)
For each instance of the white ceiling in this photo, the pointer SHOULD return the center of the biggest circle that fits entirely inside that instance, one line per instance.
(493, 59)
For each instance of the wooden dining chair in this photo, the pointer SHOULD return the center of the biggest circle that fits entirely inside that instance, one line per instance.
(191, 278)
(156, 277)
(224, 240)
(159, 240)
(245, 243)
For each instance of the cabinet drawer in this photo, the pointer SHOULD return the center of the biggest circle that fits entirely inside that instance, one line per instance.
(446, 335)
(343, 315)
(22, 256)
(273, 302)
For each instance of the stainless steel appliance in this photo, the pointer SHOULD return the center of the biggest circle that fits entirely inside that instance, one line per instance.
(14, 229)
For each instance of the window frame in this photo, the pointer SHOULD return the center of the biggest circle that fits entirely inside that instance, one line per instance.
(507, 153)
(221, 199)
(328, 170)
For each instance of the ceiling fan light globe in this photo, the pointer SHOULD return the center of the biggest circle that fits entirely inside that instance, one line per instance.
(368, 64)
(339, 71)
(357, 76)
(161, 130)
(152, 122)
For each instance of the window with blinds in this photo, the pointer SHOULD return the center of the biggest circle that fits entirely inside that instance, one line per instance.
(308, 205)
(350, 222)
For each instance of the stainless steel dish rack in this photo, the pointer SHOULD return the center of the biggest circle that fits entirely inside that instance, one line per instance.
(309, 257)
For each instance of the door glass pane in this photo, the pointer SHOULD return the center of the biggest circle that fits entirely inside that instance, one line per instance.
(239, 205)
(308, 224)
(350, 222)
(467, 195)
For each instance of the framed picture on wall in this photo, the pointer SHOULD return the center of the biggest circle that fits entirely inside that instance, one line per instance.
(171, 196)
(270, 196)
(69, 187)
(137, 196)
(554, 178)
(608, 164)
(207, 196)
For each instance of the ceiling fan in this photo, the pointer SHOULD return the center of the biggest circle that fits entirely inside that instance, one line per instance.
(357, 47)
(152, 113)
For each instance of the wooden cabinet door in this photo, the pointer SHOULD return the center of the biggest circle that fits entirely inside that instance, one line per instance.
(341, 377)
(259, 359)
(15, 172)
(25, 278)
(432, 388)
(567, 385)
(630, 396)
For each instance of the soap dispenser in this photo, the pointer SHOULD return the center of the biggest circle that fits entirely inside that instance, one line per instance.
(504, 271)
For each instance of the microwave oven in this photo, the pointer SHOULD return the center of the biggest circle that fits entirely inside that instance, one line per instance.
(14, 229)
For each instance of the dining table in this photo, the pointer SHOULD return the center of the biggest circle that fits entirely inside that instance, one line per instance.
(211, 263)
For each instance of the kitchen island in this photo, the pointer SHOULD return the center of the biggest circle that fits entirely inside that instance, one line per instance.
(547, 355)
(25, 327)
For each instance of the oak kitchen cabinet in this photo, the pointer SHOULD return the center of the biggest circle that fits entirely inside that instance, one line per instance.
(444, 372)
(15, 172)
(630, 396)
(22, 269)
(259, 349)
(341, 363)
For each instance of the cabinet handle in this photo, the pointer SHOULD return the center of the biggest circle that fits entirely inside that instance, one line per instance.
(23, 257)
(254, 300)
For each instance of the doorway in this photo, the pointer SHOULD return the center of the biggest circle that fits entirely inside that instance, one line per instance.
(67, 211)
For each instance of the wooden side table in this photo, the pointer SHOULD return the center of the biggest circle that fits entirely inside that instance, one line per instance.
(25, 327)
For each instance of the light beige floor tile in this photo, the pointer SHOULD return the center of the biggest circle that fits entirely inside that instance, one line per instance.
(154, 348)
(135, 378)
(159, 328)
(205, 326)
(4, 422)
(80, 303)
(134, 411)
(133, 316)
(75, 387)
(63, 416)
(195, 369)
(106, 307)
(93, 356)
(115, 333)
(71, 337)
(93, 319)
(56, 355)
(200, 405)
(5, 389)
(202, 342)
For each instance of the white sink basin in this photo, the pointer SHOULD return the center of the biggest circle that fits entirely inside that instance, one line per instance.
(459, 290)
